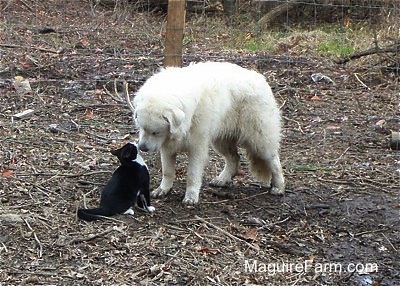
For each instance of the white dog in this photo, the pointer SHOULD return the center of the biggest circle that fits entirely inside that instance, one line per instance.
(219, 104)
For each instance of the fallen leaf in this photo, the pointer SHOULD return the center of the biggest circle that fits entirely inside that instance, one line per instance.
(89, 113)
(207, 250)
(25, 64)
(21, 85)
(249, 36)
(7, 173)
(315, 97)
(84, 42)
(332, 127)
(380, 123)
(250, 234)
(99, 91)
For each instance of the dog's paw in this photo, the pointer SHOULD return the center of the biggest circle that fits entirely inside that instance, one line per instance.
(157, 193)
(277, 191)
(190, 201)
(191, 198)
(220, 183)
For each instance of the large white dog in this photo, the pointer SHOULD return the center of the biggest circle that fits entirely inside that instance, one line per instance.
(219, 104)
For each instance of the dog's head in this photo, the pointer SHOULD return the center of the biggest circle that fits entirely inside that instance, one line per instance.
(126, 153)
(157, 124)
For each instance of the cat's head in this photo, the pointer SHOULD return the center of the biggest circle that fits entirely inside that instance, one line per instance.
(126, 153)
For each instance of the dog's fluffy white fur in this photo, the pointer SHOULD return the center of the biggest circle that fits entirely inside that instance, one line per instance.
(219, 104)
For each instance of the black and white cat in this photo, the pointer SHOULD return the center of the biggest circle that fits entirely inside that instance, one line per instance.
(128, 186)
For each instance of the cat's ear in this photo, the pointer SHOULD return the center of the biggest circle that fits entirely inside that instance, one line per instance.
(128, 152)
(116, 152)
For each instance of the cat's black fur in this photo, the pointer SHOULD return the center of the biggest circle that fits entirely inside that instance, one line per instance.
(128, 186)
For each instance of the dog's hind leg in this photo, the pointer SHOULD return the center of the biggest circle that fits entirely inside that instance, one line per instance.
(268, 169)
(260, 169)
(277, 180)
(228, 149)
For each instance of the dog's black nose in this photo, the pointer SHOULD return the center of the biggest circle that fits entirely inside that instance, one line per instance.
(143, 148)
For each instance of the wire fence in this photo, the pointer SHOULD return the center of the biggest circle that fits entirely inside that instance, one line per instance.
(68, 41)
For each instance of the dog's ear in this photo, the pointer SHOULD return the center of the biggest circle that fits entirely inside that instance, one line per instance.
(175, 118)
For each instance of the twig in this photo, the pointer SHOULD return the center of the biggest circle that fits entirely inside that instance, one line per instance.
(4, 246)
(8, 4)
(227, 233)
(114, 96)
(62, 175)
(35, 236)
(282, 105)
(86, 146)
(341, 155)
(289, 119)
(391, 245)
(27, 47)
(360, 81)
(90, 237)
(85, 182)
(370, 231)
(128, 99)
(26, 5)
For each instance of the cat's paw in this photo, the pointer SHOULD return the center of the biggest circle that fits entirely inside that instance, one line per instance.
(151, 209)
(129, 212)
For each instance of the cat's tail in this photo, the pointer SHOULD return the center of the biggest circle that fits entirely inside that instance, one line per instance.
(93, 214)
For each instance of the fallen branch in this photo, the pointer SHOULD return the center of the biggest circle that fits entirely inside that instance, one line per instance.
(29, 47)
(227, 233)
(276, 12)
(376, 50)
(63, 175)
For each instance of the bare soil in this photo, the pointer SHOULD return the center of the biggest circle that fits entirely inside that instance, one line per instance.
(342, 201)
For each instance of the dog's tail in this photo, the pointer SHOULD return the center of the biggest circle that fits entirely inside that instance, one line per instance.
(259, 168)
(93, 214)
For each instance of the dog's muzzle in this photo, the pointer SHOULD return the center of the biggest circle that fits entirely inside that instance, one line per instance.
(143, 147)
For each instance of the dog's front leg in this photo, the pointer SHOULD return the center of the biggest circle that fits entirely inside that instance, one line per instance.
(168, 174)
(197, 160)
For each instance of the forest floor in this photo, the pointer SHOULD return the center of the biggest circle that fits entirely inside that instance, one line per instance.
(337, 224)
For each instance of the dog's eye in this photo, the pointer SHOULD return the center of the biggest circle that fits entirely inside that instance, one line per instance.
(155, 133)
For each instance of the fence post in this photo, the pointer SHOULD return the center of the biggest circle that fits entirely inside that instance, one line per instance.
(174, 33)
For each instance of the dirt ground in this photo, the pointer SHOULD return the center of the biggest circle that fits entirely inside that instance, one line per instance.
(337, 224)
